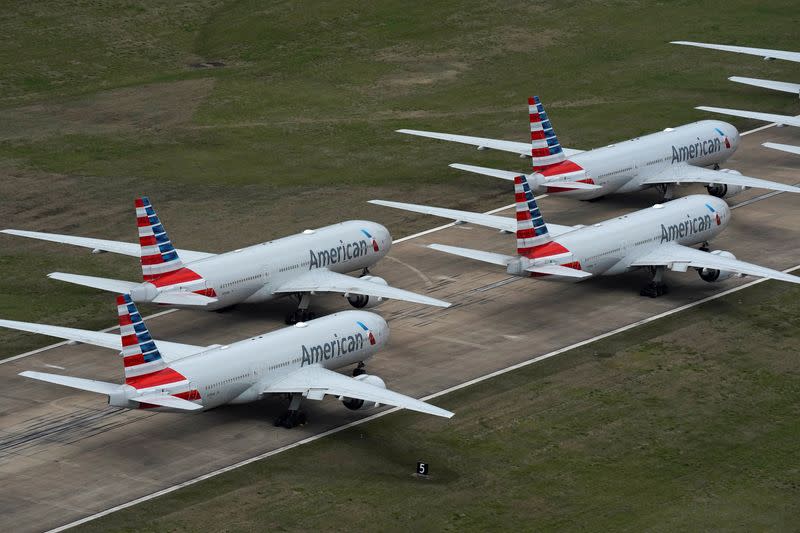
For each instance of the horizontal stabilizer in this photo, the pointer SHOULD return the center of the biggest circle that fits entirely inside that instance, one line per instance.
(165, 400)
(784, 147)
(558, 270)
(766, 117)
(100, 387)
(183, 298)
(478, 255)
(782, 86)
(105, 284)
(502, 174)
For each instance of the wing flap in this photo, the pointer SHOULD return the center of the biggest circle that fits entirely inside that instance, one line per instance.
(322, 280)
(671, 254)
(482, 143)
(314, 382)
(706, 176)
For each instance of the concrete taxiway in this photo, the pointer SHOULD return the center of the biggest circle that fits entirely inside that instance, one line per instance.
(65, 455)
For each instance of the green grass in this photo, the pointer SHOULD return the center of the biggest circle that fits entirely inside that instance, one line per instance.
(688, 423)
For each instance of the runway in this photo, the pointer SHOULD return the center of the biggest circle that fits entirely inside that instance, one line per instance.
(65, 455)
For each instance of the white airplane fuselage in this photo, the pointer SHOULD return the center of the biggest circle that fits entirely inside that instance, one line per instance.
(610, 247)
(623, 167)
(251, 274)
(239, 372)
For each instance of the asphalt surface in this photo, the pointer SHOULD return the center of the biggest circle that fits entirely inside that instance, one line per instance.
(65, 454)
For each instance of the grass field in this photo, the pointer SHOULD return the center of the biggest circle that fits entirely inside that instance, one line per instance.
(686, 424)
(100, 102)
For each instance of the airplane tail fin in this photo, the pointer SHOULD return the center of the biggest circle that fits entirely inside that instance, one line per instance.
(531, 229)
(158, 256)
(144, 366)
(545, 148)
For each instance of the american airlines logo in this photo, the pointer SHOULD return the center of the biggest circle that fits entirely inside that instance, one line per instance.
(337, 254)
(700, 148)
(686, 228)
(337, 347)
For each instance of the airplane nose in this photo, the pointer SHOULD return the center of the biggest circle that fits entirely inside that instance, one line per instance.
(383, 237)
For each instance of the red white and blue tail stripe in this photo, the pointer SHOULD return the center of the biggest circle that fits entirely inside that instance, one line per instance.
(144, 366)
(545, 148)
(158, 256)
(531, 228)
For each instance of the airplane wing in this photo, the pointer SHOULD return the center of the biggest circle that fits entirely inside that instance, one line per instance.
(323, 280)
(314, 382)
(522, 149)
(763, 52)
(490, 221)
(782, 86)
(508, 175)
(706, 176)
(783, 147)
(675, 255)
(169, 350)
(766, 117)
(116, 247)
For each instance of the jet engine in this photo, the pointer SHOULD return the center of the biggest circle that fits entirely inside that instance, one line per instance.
(713, 275)
(355, 404)
(363, 301)
(722, 190)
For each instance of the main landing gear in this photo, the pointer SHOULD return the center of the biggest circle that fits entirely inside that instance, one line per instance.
(293, 417)
(301, 314)
(656, 287)
(666, 190)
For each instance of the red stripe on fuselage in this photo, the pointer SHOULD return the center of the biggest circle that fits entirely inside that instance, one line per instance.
(183, 275)
(154, 379)
(546, 250)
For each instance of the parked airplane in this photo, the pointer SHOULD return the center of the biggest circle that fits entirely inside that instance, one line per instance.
(663, 160)
(793, 88)
(303, 264)
(294, 361)
(656, 238)
(783, 86)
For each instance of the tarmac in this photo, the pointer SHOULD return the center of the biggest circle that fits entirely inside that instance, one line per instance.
(65, 455)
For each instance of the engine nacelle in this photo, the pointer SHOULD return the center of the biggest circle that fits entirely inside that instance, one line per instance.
(713, 275)
(363, 301)
(721, 190)
(355, 404)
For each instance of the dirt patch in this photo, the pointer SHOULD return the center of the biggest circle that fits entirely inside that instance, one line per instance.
(146, 107)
